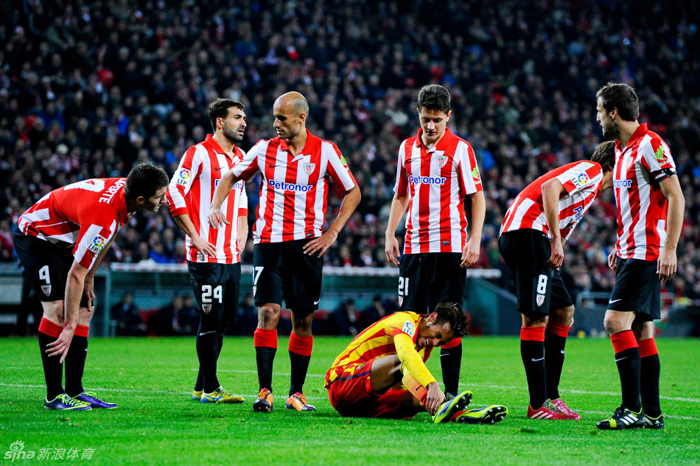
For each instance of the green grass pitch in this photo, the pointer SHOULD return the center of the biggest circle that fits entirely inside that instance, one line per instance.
(156, 423)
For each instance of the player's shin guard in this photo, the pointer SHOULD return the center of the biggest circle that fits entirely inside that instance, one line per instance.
(300, 349)
(554, 343)
(628, 365)
(75, 361)
(451, 362)
(265, 342)
(532, 353)
(207, 353)
(413, 386)
(649, 377)
(53, 369)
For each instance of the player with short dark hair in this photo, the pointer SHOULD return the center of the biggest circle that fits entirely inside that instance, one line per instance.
(382, 372)
(213, 255)
(531, 241)
(650, 206)
(435, 171)
(289, 236)
(61, 241)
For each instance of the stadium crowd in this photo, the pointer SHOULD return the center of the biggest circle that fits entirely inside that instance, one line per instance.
(88, 89)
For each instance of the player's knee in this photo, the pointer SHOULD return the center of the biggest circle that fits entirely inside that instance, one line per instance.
(301, 322)
(613, 324)
(53, 311)
(268, 314)
(564, 316)
(535, 320)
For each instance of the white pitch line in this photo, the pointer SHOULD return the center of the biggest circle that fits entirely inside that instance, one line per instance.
(314, 398)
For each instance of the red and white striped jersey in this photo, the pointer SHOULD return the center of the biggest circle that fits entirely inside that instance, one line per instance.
(641, 205)
(581, 180)
(293, 189)
(191, 191)
(85, 215)
(436, 181)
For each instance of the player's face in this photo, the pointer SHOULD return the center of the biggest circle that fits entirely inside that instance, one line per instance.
(433, 123)
(154, 202)
(431, 334)
(607, 123)
(234, 125)
(288, 123)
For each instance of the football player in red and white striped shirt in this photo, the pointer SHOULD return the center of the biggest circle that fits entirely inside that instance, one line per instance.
(650, 206)
(61, 241)
(534, 229)
(289, 236)
(213, 255)
(435, 171)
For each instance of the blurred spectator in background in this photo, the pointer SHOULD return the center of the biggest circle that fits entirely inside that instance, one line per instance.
(128, 318)
(345, 320)
(374, 312)
(246, 318)
(177, 318)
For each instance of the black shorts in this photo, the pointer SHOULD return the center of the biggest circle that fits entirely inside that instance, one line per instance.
(216, 288)
(637, 288)
(282, 270)
(427, 279)
(540, 289)
(46, 266)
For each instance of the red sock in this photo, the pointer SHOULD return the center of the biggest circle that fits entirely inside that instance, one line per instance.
(301, 345)
(49, 328)
(266, 338)
(623, 341)
(532, 333)
(558, 329)
(647, 348)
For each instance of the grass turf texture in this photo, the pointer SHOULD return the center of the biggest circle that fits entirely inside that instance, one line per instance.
(157, 423)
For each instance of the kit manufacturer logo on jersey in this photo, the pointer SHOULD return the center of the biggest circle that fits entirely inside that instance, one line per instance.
(309, 168)
(98, 242)
(409, 328)
(183, 176)
(580, 180)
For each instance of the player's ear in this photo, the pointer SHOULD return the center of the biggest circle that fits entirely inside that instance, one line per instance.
(140, 200)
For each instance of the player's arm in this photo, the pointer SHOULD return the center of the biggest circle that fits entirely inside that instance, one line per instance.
(667, 263)
(413, 363)
(552, 191)
(89, 286)
(242, 232)
(74, 293)
(323, 242)
(203, 246)
(399, 205)
(472, 249)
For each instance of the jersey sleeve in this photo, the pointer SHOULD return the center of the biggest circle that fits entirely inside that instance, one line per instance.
(92, 238)
(468, 170)
(248, 167)
(580, 176)
(401, 184)
(187, 171)
(338, 168)
(404, 330)
(243, 202)
(657, 159)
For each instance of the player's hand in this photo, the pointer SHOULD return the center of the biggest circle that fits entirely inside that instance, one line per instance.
(203, 246)
(434, 399)
(391, 249)
(612, 260)
(557, 256)
(241, 239)
(471, 252)
(89, 291)
(61, 346)
(216, 218)
(320, 244)
(666, 265)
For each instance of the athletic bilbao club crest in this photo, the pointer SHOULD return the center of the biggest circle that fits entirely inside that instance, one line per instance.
(309, 168)
(441, 160)
(540, 300)
(400, 301)
(206, 308)
(46, 289)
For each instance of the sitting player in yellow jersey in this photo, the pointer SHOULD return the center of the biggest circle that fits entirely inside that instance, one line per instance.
(382, 372)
